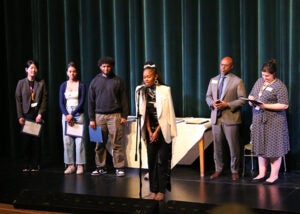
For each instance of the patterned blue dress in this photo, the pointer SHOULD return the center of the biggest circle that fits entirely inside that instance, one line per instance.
(270, 135)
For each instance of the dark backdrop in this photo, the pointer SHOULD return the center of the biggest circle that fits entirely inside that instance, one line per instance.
(186, 39)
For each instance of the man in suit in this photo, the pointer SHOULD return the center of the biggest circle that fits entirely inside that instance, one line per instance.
(223, 98)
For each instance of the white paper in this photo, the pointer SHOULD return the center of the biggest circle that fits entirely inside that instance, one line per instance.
(76, 130)
(32, 128)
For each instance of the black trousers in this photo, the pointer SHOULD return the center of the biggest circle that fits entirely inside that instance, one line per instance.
(159, 158)
(31, 144)
(31, 151)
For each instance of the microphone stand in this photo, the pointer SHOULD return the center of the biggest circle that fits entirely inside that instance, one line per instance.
(138, 140)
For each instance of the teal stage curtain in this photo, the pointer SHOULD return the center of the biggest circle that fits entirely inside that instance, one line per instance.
(185, 38)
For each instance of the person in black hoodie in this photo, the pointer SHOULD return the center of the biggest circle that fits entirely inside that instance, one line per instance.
(108, 109)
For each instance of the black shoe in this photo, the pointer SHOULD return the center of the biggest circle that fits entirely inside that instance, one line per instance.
(270, 183)
(259, 180)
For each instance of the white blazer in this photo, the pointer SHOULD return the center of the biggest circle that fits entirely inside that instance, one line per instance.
(165, 111)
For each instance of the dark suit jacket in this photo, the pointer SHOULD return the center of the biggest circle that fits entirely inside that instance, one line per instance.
(23, 96)
(232, 92)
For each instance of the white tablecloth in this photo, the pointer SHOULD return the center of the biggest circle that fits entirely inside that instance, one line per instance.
(185, 148)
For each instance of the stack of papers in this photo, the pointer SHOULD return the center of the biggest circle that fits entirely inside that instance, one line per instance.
(196, 120)
(179, 120)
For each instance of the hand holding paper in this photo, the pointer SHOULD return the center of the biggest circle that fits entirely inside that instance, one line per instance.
(32, 128)
(74, 129)
(95, 134)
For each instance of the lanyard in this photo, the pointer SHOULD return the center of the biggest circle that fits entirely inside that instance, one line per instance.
(32, 93)
(264, 86)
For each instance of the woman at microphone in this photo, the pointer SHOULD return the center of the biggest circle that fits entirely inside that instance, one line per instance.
(158, 127)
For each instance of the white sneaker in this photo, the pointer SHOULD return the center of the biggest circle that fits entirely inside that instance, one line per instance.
(99, 171)
(120, 172)
(26, 170)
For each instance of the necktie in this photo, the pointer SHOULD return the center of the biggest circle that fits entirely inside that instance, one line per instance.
(219, 113)
(221, 86)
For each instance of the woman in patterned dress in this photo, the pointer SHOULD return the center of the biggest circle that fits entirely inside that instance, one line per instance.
(270, 135)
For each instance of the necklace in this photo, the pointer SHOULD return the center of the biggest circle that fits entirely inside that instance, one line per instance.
(264, 86)
(72, 86)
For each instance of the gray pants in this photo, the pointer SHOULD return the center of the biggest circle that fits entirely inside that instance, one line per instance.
(223, 133)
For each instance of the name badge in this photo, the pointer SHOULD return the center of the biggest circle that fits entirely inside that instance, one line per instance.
(33, 105)
(214, 81)
(269, 89)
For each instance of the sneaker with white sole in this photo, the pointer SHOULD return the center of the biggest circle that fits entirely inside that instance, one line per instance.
(120, 172)
(99, 171)
(26, 170)
(35, 169)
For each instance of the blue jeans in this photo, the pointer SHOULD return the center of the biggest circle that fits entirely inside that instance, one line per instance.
(72, 144)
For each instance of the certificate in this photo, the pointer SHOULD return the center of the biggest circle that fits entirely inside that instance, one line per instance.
(32, 128)
(75, 131)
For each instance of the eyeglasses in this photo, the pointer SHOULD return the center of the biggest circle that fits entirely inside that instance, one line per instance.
(225, 65)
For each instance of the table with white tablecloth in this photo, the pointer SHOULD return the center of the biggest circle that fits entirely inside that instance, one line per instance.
(189, 144)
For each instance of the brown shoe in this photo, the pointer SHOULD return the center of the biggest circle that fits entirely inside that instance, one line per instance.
(152, 195)
(160, 196)
(215, 175)
(235, 176)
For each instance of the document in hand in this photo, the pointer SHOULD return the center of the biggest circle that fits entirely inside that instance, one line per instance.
(255, 102)
(75, 130)
(95, 135)
(32, 128)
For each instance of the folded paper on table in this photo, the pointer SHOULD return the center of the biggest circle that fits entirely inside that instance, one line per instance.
(95, 134)
(76, 130)
(255, 102)
(32, 128)
(179, 120)
(196, 120)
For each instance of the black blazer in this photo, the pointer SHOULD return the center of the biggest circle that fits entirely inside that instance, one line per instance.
(23, 96)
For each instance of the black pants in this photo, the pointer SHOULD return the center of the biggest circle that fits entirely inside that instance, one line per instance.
(159, 157)
(31, 144)
(32, 147)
